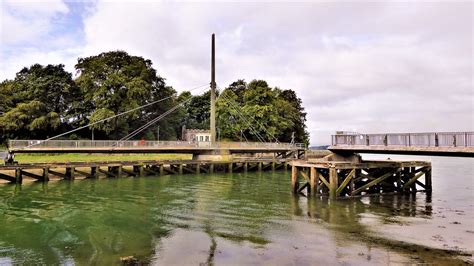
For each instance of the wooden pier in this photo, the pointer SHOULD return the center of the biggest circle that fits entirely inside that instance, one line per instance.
(69, 171)
(349, 179)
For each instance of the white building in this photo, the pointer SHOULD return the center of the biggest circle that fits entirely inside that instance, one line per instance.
(197, 135)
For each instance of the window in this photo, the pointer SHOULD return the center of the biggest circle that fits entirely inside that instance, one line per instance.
(201, 138)
(207, 138)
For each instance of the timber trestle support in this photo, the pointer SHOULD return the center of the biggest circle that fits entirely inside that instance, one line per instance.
(70, 171)
(348, 179)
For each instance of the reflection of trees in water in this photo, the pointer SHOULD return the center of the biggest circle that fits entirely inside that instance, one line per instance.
(87, 222)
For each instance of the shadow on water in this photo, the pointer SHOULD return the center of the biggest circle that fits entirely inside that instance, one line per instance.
(99, 221)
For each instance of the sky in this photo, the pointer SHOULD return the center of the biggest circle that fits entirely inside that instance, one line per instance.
(368, 67)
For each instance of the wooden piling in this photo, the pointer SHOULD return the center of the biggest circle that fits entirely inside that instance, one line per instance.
(428, 179)
(294, 179)
(18, 176)
(69, 175)
(95, 172)
(333, 183)
(45, 174)
(162, 169)
(314, 180)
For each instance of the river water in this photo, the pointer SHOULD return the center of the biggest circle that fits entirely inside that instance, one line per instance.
(235, 218)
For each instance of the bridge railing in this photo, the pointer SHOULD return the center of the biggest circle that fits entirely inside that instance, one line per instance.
(117, 144)
(431, 139)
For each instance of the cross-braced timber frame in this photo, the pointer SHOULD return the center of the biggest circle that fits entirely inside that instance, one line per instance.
(69, 171)
(346, 179)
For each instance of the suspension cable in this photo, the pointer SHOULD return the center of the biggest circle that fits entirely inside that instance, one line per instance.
(260, 124)
(154, 120)
(109, 118)
(257, 134)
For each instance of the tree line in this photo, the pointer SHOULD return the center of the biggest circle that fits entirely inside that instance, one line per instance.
(44, 101)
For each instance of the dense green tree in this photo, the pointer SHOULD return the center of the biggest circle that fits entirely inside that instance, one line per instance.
(115, 82)
(258, 112)
(197, 113)
(297, 115)
(38, 103)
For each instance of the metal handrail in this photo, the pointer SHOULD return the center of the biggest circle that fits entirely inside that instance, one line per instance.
(113, 144)
(430, 139)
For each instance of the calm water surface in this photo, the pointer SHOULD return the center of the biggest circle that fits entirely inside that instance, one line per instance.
(235, 219)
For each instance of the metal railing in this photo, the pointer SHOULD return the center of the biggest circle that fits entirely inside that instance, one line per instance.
(431, 139)
(140, 144)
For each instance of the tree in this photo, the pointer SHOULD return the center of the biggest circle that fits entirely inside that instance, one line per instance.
(115, 82)
(297, 115)
(197, 111)
(260, 113)
(38, 102)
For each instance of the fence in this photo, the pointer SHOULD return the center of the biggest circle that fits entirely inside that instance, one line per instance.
(140, 144)
(433, 139)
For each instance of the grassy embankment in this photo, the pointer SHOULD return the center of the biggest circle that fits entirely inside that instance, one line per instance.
(83, 157)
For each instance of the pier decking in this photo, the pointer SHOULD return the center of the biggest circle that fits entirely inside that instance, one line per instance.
(348, 179)
(68, 171)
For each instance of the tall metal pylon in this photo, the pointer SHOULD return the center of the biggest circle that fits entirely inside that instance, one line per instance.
(213, 91)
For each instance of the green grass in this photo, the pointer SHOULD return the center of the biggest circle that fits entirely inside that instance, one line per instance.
(83, 157)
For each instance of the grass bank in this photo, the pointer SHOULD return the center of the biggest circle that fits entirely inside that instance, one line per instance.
(84, 157)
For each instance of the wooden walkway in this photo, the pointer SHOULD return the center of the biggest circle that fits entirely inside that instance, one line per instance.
(69, 171)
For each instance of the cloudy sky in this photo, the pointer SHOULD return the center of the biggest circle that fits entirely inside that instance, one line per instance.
(358, 66)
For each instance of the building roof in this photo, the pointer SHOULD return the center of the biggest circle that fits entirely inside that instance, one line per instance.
(198, 131)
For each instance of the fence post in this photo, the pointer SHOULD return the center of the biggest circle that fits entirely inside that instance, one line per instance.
(367, 141)
(385, 140)
(465, 139)
(436, 140)
(409, 139)
(454, 140)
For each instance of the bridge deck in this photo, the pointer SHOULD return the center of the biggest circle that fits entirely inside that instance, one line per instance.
(458, 144)
(87, 146)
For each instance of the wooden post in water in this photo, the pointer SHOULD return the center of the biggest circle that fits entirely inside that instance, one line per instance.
(162, 169)
(70, 173)
(119, 171)
(413, 185)
(45, 174)
(294, 179)
(313, 182)
(198, 168)
(211, 168)
(18, 176)
(428, 179)
(260, 166)
(230, 167)
(333, 183)
(246, 166)
(95, 172)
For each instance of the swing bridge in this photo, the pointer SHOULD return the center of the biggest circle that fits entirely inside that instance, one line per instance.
(341, 174)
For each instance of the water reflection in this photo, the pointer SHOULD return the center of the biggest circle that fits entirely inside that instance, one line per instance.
(206, 218)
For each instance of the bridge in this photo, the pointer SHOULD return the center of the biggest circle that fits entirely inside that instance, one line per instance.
(458, 144)
(126, 145)
(282, 150)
